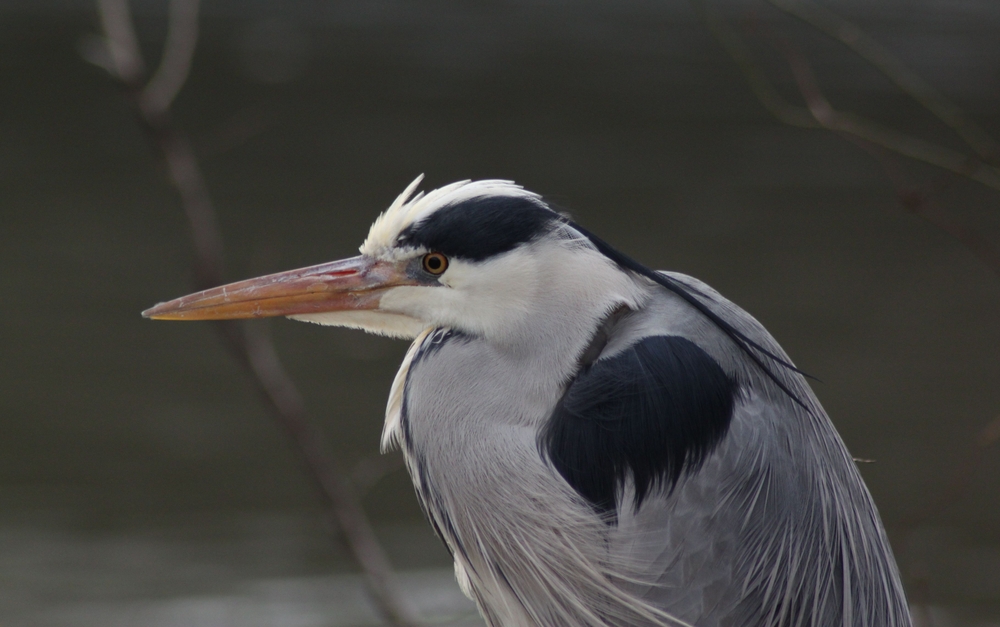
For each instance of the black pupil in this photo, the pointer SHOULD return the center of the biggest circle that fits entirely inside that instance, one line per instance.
(433, 263)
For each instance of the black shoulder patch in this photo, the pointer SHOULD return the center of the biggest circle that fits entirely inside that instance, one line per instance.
(479, 228)
(750, 348)
(648, 414)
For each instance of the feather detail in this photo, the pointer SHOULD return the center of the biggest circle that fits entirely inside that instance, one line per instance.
(394, 408)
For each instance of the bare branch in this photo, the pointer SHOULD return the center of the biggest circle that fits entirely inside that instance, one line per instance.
(907, 80)
(766, 93)
(878, 141)
(182, 36)
(899, 143)
(821, 114)
(257, 352)
(116, 21)
(250, 346)
(884, 143)
(185, 174)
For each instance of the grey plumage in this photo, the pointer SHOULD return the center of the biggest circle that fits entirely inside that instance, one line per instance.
(596, 444)
(775, 529)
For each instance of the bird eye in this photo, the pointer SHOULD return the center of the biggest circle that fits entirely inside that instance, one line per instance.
(435, 263)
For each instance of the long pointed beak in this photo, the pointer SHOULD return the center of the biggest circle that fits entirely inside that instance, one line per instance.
(350, 284)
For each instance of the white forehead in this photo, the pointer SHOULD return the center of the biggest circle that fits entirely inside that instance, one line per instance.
(410, 208)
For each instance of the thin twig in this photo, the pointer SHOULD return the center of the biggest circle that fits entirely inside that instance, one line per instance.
(820, 114)
(917, 202)
(883, 143)
(912, 200)
(257, 352)
(908, 146)
(768, 96)
(123, 47)
(895, 70)
(182, 36)
(251, 347)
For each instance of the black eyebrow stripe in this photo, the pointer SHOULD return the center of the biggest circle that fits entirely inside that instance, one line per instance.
(481, 227)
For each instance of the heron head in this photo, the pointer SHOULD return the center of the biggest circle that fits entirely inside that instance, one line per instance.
(483, 257)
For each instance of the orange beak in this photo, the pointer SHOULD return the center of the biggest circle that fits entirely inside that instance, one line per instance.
(351, 284)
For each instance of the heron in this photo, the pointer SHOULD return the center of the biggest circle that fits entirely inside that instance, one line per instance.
(595, 442)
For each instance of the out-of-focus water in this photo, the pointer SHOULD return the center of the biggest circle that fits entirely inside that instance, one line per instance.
(141, 483)
(243, 571)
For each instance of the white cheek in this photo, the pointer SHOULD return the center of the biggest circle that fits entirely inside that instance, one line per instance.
(417, 302)
(497, 293)
(481, 298)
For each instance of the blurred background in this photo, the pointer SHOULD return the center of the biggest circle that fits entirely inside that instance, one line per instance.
(142, 482)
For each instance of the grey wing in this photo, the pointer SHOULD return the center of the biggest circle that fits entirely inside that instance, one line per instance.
(774, 525)
(755, 537)
(718, 549)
